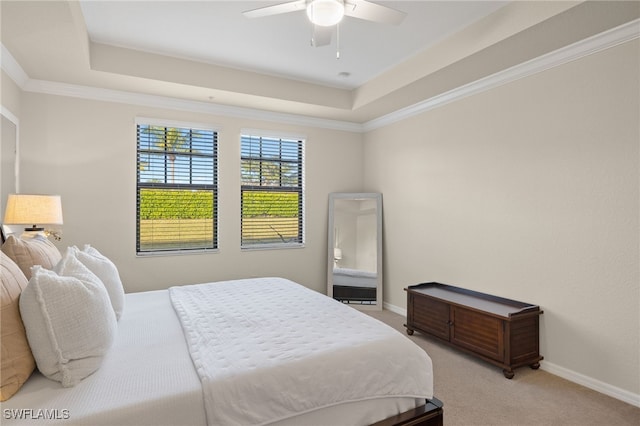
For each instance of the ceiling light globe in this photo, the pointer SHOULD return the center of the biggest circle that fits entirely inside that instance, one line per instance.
(325, 13)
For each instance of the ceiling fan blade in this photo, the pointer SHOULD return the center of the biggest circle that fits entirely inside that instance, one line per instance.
(369, 11)
(277, 9)
(321, 36)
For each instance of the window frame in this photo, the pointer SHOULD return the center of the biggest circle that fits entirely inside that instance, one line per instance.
(300, 188)
(213, 187)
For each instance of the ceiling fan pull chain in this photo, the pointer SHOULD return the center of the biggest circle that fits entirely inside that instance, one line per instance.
(338, 41)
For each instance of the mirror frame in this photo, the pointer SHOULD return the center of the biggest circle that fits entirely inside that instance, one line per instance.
(16, 167)
(6, 113)
(331, 243)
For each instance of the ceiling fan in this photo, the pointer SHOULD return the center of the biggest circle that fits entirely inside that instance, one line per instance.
(325, 14)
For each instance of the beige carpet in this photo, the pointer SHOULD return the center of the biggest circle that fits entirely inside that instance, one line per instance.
(475, 392)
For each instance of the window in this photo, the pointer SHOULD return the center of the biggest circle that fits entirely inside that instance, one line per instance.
(272, 192)
(177, 192)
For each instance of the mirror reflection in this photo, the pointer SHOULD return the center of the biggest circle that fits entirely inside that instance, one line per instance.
(355, 249)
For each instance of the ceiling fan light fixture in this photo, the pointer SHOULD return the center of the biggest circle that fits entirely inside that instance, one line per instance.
(325, 13)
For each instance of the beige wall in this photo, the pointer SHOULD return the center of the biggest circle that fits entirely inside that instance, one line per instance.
(529, 191)
(86, 151)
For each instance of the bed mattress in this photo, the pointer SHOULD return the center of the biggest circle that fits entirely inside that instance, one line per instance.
(148, 378)
(287, 350)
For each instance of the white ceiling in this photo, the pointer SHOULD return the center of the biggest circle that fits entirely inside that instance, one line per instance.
(216, 32)
(206, 56)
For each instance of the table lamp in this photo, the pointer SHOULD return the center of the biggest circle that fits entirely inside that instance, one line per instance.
(35, 210)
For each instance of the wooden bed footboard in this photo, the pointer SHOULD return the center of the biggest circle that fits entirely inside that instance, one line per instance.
(429, 414)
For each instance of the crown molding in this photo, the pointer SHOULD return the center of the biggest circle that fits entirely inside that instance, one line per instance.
(588, 46)
(582, 48)
(155, 101)
(20, 77)
(12, 67)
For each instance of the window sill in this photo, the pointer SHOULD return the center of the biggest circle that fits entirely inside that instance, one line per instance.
(272, 247)
(176, 253)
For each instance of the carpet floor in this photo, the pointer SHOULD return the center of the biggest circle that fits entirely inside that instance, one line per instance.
(475, 392)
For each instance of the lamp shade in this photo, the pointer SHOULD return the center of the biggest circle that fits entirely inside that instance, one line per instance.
(325, 13)
(26, 209)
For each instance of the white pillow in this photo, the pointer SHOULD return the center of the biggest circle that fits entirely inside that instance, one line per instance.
(107, 271)
(69, 321)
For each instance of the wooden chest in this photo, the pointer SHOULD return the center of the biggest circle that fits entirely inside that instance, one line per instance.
(501, 331)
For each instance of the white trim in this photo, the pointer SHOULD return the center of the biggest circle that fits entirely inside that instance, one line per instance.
(155, 101)
(588, 46)
(591, 383)
(12, 67)
(275, 134)
(173, 123)
(396, 309)
(7, 113)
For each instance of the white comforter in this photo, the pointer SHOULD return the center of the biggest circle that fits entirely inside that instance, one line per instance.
(263, 354)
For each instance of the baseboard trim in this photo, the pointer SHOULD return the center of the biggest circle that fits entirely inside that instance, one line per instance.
(565, 373)
(591, 383)
(395, 309)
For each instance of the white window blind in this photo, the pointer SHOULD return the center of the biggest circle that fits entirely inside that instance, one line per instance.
(272, 191)
(177, 190)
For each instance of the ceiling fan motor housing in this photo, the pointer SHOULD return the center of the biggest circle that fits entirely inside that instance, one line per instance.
(325, 13)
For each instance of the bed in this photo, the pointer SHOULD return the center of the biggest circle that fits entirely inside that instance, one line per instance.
(251, 351)
(354, 285)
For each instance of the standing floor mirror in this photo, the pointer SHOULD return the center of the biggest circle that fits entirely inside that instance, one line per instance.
(354, 270)
(8, 162)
